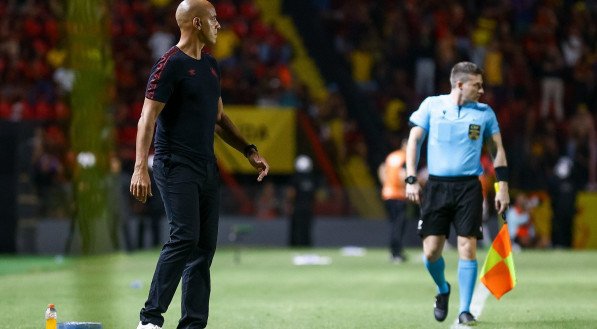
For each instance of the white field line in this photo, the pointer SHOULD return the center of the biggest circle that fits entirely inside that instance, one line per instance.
(479, 296)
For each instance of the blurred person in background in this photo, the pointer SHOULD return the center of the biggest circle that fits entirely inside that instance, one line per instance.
(120, 201)
(302, 198)
(520, 225)
(456, 126)
(160, 41)
(581, 147)
(183, 97)
(563, 189)
(267, 203)
(392, 174)
(552, 83)
(150, 214)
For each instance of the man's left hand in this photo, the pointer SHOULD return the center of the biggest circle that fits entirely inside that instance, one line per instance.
(502, 198)
(259, 163)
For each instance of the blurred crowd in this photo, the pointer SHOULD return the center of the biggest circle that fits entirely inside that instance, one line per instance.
(37, 79)
(539, 57)
(540, 63)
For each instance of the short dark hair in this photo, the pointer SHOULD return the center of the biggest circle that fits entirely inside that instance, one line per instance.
(462, 70)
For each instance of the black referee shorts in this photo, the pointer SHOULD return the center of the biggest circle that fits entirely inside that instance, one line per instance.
(452, 200)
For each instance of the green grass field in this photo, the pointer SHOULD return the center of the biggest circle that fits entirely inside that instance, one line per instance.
(556, 289)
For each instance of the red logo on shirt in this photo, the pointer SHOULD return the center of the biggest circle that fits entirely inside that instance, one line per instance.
(213, 72)
(192, 72)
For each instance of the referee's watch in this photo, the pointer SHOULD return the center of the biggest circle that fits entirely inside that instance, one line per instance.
(410, 180)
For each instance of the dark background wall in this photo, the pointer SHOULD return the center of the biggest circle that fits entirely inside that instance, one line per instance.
(9, 141)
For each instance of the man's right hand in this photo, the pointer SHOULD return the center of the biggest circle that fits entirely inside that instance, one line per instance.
(141, 185)
(413, 192)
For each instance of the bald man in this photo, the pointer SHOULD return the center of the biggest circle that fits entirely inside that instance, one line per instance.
(183, 97)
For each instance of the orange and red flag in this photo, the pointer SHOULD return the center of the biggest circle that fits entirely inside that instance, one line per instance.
(498, 273)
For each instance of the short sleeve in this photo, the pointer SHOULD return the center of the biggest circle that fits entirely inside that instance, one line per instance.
(421, 116)
(492, 124)
(161, 80)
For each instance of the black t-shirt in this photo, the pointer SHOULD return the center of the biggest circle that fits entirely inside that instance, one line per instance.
(190, 88)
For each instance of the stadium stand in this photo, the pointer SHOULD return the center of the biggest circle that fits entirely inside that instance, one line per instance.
(540, 59)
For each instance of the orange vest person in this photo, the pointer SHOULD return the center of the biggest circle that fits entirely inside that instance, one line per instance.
(392, 175)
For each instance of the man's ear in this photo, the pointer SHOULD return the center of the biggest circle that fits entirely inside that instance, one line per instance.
(197, 23)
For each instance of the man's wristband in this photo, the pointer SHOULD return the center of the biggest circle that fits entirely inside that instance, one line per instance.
(249, 149)
(502, 174)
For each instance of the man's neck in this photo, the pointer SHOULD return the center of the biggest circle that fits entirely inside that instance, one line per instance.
(190, 45)
(457, 99)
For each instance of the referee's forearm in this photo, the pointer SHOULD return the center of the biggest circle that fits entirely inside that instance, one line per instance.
(412, 153)
(500, 159)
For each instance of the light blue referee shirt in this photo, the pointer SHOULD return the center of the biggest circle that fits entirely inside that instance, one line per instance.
(455, 135)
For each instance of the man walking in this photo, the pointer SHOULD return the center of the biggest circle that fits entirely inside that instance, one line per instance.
(456, 126)
(183, 97)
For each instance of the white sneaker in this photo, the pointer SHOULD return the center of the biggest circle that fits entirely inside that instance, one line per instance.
(147, 326)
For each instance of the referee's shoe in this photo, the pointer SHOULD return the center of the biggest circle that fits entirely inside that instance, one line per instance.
(440, 310)
(467, 319)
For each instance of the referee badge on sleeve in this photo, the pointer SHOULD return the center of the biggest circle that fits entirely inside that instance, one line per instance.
(474, 131)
